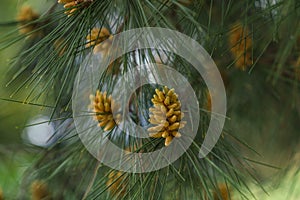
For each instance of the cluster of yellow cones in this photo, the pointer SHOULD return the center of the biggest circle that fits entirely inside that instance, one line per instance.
(166, 115)
(103, 107)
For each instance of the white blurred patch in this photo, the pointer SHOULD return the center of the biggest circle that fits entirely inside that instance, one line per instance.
(40, 133)
(267, 4)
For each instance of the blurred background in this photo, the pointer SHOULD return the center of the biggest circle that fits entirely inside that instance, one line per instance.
(265, 116)
(16, 152)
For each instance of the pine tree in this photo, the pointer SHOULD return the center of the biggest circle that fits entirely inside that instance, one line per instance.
(66, 47)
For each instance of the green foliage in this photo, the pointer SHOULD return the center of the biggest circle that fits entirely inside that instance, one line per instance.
(44, 69)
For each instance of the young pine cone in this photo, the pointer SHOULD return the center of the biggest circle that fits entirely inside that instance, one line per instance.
(102, 107)
(39, 190)
(72, 5)
(1, 194)
(166, 115)
(100, 39)
(25, 17)
(240, 42)
(97, 36)
(116, 184)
